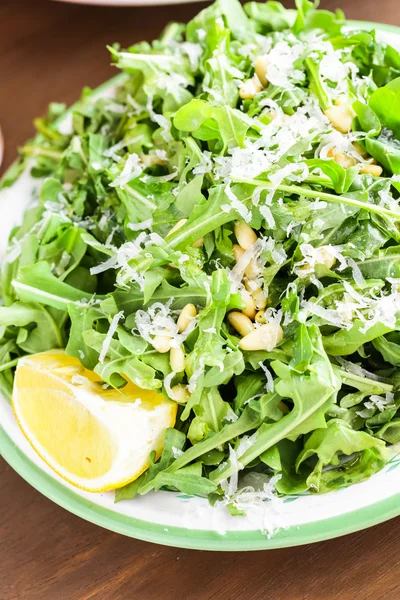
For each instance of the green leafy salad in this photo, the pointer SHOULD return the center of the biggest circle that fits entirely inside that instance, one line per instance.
(225, 230)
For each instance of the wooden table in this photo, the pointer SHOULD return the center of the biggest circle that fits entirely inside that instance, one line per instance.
(49, 51)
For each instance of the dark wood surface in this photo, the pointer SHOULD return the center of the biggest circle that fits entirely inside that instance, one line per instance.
(48, 51)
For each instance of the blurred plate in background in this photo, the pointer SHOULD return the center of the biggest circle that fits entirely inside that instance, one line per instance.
(129, 2)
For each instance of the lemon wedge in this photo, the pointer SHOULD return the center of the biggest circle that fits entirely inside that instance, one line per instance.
(97, 439)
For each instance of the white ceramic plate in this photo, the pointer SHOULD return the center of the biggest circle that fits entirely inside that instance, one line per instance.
(190, 522)
(129, 2)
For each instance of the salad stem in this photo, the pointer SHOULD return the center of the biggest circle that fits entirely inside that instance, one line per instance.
(309, 193)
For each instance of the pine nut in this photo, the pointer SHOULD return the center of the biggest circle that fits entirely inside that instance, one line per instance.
(180, 393)
(251, 286)
(374, 170)
(283, 408)
(162, 343)
(341, 100)
(341, 115)
(198, 243)
(240, 322)
(265, 337)
(252, 271)
(327, 257)
(237, 251)
(260, 317)
(271, 114)
(324, 257)
(259, 298)
(148, 160)
(250, 88)
(188, 313)
(177, 359)
(360, 150)
(342, 159)
(177, 226)
(245, 235)
(260, 69)
(305, 270)
(249, 304)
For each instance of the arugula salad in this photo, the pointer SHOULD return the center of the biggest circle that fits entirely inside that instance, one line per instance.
(225, 230)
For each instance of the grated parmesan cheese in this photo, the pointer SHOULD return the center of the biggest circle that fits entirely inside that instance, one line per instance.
(161, 121)
(132, 169)
(280, 69)
(251, 254)
(112, 329)
(379, 402)
(148, 224)
(269, 386)
(236, 205)
(158, 318)
(205, 165)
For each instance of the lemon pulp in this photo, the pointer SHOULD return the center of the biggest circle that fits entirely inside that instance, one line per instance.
(95, 438)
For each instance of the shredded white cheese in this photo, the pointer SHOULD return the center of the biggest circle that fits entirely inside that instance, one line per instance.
(112, 329)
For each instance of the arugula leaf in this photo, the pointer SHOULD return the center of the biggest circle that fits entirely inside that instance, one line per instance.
(389, 350)
(36, 283)
(229, 124)
(390, 432)
(312, 393)
(384, 102)
(7, 350)
(330, 444)
(386, 151)
(271, 16)
(210, 348)
(308, 18)
(340, 178)
(383, 264)
(367, 119)
(185, 482)
(38, 330)
(211, 412)
(83, 319)
(248, 420)
(248, 386)
(345, 342)
(120, 363)
(316, 84)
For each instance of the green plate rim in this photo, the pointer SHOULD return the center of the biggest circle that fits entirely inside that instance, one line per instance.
(196, 538)
(192, 538)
